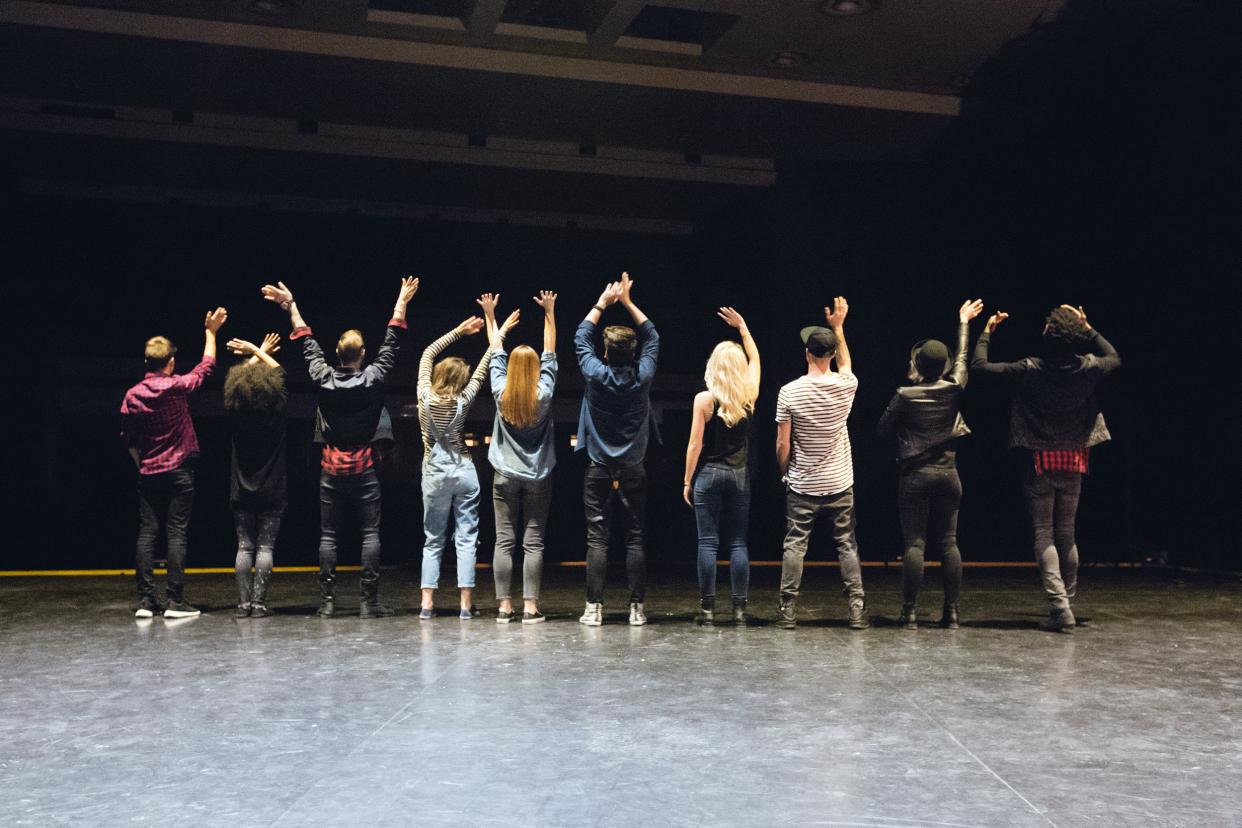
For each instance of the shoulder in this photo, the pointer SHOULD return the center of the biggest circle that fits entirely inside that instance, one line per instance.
(703, 402)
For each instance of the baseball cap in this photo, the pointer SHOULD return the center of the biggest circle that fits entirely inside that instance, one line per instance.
(820, 341)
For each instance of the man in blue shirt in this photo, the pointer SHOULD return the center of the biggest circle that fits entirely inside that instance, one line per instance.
(613, 429)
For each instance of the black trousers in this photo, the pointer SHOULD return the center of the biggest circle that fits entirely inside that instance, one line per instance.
(1052, 508)
(928, 498)
(165, 502)
(620, 493)
(336, 493)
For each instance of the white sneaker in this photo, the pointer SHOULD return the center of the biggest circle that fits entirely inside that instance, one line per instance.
(593, 616)
(637, 616)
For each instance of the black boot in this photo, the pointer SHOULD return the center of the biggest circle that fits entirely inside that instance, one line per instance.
(1058, 620)
(327, 595)
(258, 603)
(948, 618)
(909, 619)
(858, 615)
(740, 618)
(787, 613)
(371, 607)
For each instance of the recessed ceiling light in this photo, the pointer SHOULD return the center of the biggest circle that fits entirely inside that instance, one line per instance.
(788, 60)
(845, 8)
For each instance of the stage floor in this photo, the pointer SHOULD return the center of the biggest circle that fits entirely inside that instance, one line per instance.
(295, 721)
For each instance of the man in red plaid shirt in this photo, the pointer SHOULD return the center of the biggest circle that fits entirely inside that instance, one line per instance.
(1055, 418)
(158, 431)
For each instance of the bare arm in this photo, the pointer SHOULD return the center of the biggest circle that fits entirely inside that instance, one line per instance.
(836, 321)
(212, 324)
(627, 285)
(283, 296)
(257, 353)
(735, 320)
(782, 447)
(612, 292)
(694, 447)
(547, 300)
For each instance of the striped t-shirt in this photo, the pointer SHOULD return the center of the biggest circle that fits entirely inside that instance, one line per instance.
(819, 454)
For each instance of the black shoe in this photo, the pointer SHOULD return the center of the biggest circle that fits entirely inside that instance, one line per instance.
(787, 615)
(327, 595)
(148, 608)
(1058, 620)
(374, 611)
(858, 617)
(535, 617)
(705, 618)
(327, 608)
(948, 619)
(242, 611)
(180, 609)
(740, 617)
(503, 617)
(909, 619)
(259, 611)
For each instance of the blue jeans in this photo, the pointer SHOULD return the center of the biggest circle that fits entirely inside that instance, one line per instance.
(722, 511)
(450, 490)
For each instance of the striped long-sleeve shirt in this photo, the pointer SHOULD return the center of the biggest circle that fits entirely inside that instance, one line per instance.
(442, 410)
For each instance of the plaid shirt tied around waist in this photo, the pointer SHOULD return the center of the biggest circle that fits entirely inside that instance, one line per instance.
(1061, 460)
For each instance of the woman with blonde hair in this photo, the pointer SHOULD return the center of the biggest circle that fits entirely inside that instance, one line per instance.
(450, 482)
(523, 453)
(717, 483)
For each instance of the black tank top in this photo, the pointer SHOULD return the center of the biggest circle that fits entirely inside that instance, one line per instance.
(725, 445)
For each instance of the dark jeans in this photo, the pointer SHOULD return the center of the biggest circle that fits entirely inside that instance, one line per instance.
(165, 501)
(927, 501)
(800, 514)
(520, 504)
(722, 512)
(1051, 507)
(256, 541)
(336, 492)
(603, 489)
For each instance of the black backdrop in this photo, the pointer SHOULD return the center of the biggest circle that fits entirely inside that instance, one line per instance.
(1095, 163)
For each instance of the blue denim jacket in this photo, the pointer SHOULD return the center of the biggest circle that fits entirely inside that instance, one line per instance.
(615, 420)
(527, 453)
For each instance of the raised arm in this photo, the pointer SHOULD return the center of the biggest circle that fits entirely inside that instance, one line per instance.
(1107, 359)
(283, 296)
(694, 447)
(257, 353)
(386, 356)
(734, 320)
(649, 354)
(316, 365)
(836, 321)
(980, 364)
(195, 377)
(968, 311)
(584, 347)
(627, 299)
(469, 326)
(612, 292)
(547, 300)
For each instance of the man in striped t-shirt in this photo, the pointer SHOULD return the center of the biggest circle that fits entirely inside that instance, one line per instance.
(813, 451)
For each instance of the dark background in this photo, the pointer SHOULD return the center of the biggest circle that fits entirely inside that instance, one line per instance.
(1094, 163)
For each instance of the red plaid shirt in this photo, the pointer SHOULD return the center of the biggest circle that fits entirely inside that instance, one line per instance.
(1061, 460)
(340, 462)
(155, 418)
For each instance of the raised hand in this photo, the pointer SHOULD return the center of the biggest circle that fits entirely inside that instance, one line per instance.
(510, 322)
(271, 343)
(241, 347)
(1082, 314)
(626, 284)
(732, 318)
(409, 287)
(995, 319)
(837, 313)
(612, 292)
(546, 300)
(969, 310)
(488, 302)
(215, 319)
(278, 293)
(470, 326)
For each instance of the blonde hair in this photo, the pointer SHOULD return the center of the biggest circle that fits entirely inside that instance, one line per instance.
(158, 352)
(449, 377)
(729, 383)
(349, 346)
(519, 404)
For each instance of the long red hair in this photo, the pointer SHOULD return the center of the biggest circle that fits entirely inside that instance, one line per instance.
(520, 403)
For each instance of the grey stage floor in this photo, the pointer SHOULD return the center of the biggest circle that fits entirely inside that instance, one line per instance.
(295, 721)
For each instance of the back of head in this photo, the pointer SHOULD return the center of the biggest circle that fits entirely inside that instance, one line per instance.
(620, 343)
(449, 376)
(729, 383)
(254, 387)
(350, 346)
(821, 343)
(1065, 332)
(928, 360)
(520, 404)
(158, 352)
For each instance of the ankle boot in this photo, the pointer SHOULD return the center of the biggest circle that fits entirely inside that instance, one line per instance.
(1058, 620)
(858, 615)
(370, 606)
(740, 618)
(707, 613)
(327, 595)
(787, 613)
(258, 598)
(948, 618)
(909, 619)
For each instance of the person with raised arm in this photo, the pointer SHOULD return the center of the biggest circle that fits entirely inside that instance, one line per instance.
(1055, 418)
(159, 435)
(255, 397)
(927, 421)
(350, 420)
(522, 453)
(614, 426)
(450, 481)
(813, 453)
(717, 478)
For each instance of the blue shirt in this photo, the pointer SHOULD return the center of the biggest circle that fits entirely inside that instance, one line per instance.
(615, 420)
(527, 453)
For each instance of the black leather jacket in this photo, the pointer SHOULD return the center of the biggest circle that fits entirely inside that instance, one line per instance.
(928, 415)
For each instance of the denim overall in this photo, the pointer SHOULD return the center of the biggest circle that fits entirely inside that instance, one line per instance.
(450, 490)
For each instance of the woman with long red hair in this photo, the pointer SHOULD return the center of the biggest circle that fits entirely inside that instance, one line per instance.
(522, 453)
